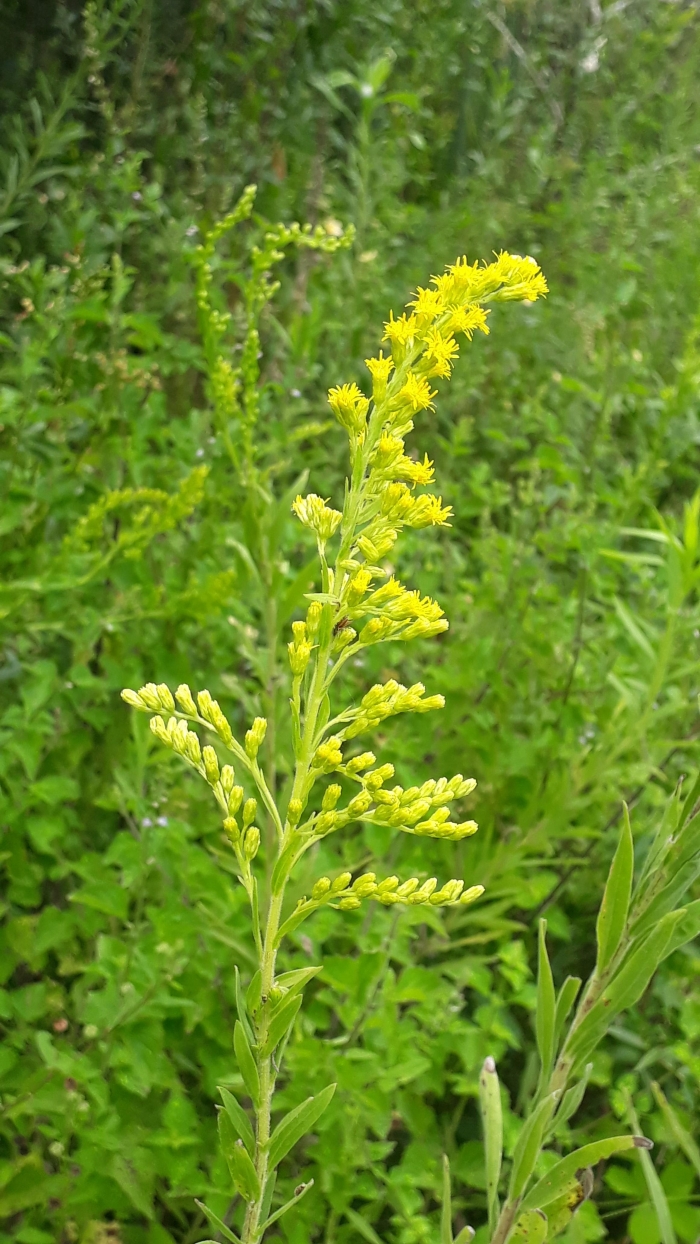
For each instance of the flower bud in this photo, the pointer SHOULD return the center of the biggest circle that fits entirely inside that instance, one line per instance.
(227, 779)
(474, 892)
(347, 636)
(299, 632)
(341, 883)
(350, 903)
(192, 748)
(388, 885)
(407, 888)
(365, 885)
(251, 842)
(313, 619)
(232, 830)
(159, 729)
(358, 763)
(133, 699)
(321, 888)
(211, 765)
(149, 696)
(255, 736)
(166, 699)
(294, 811)
(330, 797)
(360, 803)
(184, 698)
(250, 807)
(299, 655)
(235, 800)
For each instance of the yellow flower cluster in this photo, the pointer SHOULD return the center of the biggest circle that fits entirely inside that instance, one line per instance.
(347, 895)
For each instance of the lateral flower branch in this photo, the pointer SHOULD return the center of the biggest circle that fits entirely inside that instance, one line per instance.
(358, 606)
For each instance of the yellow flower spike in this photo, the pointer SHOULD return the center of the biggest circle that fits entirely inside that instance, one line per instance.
(440, 354)
(380, 369)
(427, 305)
(350, 406)
(313, 512)
(468, 320)
(417, 393)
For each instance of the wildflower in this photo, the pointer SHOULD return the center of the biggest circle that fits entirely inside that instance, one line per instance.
(350, 406)
(380, 369)
(313, 512)
(417, 393)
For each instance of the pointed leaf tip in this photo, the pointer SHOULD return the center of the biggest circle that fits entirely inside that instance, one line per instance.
(490, 1064)
(641, 1142)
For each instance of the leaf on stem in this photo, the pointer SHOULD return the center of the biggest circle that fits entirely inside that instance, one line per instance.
(492, 1121)
(239, 1119)
(565, 1000)
(246, 1063)
(446, 1213)
(614, 908)
(299, 1192)
(555, 1182)
(242, 1171)
(657, 1196)
(297, 1123)
(528, 1145)
(531, 1228)
(682, 1137)
(546, 1005)
(280, 1023)
(216, 1222)
(241, 1005)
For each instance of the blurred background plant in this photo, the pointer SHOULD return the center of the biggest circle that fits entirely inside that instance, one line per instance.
(564, 130)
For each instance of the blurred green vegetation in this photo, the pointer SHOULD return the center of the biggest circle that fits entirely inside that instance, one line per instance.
(567, 445)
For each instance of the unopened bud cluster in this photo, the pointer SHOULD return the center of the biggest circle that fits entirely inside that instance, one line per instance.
(347, 895)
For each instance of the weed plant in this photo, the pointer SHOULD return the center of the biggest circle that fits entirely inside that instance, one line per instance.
(130, 544)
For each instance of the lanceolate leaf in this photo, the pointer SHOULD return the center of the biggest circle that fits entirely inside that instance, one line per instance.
(243, 1172)
(563, 1172)
(616, 898)
(239, 1119)
(528, 1146)
(492, 1122)
(678, 1131)
(567, 996)
(217, 1224)
(241, 1006)
(281, 1021)
(573, 1097)
(300, 1192)
(531, 1228)
(446, 1212)
(296, 1124)
(246, 1062)
(657, 1195)
(544, 1016)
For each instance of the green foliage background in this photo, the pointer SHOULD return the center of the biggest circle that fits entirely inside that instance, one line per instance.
(565, 130)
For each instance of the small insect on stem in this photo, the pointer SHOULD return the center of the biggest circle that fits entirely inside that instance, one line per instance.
(340, 625)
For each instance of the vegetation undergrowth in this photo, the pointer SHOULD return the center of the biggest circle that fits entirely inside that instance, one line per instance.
(135, 539)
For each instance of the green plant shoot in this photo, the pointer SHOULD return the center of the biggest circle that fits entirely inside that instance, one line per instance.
(359, 604)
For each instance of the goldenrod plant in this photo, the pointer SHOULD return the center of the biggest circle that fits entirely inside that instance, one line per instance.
(360, 603)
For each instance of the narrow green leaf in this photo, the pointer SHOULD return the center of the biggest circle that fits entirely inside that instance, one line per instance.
(363, 1227)
(492, 1122)
(564, 1171)
(246, 1062)
(300, 1192)
(446, 1214)
(528, 1145)
(546, 1004)
(217, 1224)
(573, 1097)
(292, 982)
(567, 996)
(253, 994)
(296, 1123)
(531, 1228)
(657, 1195)
(681, 1136)
(465, 1236)
(241, 1006)
(280, 1023)
(561, 1211)
(267, 1195)
(242, 1171)
(614, 908)
(239, 1119)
